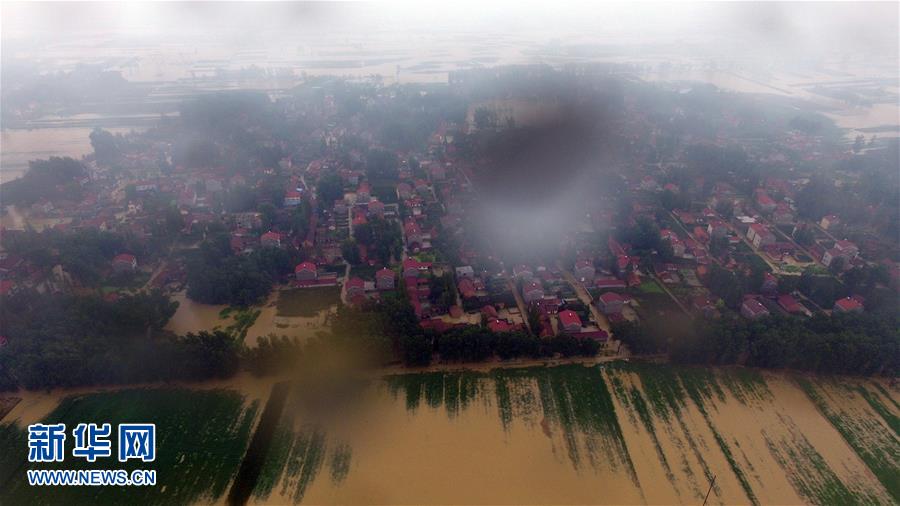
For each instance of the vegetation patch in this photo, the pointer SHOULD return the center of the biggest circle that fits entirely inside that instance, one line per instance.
(650, 287)
(701, 385)
(889, 418)
(746, 385)
(243, 320)
(809, 473)
(877, 447)
(200, 439)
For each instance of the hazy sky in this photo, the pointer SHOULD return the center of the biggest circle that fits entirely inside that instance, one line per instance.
(803, 28)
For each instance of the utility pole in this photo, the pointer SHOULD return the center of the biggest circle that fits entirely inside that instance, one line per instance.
(713, 482)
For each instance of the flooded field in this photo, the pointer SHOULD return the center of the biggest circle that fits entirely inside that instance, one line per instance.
(195, 316)
(296, 313)
(617, 433)
(23, 145)
(277, 315)
(620, 434)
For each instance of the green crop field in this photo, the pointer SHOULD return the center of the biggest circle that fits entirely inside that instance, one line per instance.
(200, 440)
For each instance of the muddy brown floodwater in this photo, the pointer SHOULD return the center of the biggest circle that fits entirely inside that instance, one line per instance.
(613, 434)
(608, 433)
(195, 316)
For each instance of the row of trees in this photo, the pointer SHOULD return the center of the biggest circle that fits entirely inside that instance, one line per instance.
(68, 340)
(53, 179)
(381, 237)
(476, 344)
(840, 344)
(85, 254)
(217, 276)
(731, 286)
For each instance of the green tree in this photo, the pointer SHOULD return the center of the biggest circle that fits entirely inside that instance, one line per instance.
(269, 214)
(329, 188)
(107, 150)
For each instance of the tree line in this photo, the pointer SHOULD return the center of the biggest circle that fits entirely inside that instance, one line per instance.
(85, 254)
(857, 343)
(55, 179)
(218, 276)
(66, 340)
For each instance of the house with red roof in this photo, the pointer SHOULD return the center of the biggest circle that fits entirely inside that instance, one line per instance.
(667, 235)
(10, 263)
(547, 307)
(404, 191)
(305, 271)
(847, 249)
(760, 235)
(609, 284)
(829, 221)
(848, 305)
(523, 272)
(701, 234)
(623, 261)
(764, 202)
(340, 207)
(584, 271)
(489, 311)
(753, 309)
(437, 172)
(783, 214)
(270, 239)
(466, 288)
(532, 291)
(685, 217)
(359, 217)
(633, 278)
(355, 286)
(124, 262)
(704, 305)
(790, 304)
(292, 198)
(598, 335)
(412, 233)
(7, 286)
(384, 279)
(610, 302)
(412, 267)
(376, 208)
(363, 192)
(717, 228)
(614, 247)
(498, 325)
(842, 249)
(569, 321)
(769, 284)
(649, 184)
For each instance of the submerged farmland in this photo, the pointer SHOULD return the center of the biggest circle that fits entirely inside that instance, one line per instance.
(615, 434)
(618, 433)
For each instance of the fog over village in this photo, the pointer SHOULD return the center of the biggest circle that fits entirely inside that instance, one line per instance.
(468, 253)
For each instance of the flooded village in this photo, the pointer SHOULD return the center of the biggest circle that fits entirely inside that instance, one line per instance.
(457, 268)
